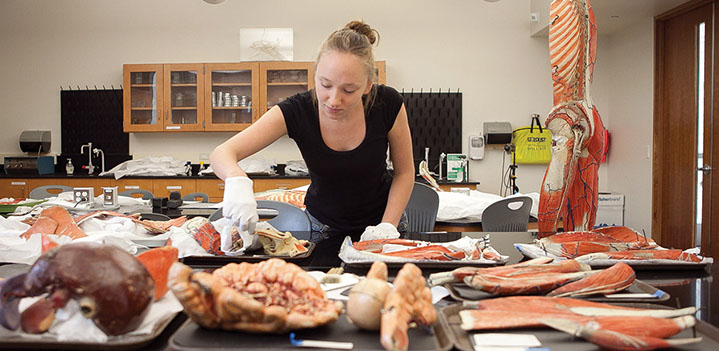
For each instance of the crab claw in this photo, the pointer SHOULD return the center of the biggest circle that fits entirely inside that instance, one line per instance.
(11, 290)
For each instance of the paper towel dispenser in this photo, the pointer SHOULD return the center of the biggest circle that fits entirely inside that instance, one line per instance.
(497, 132)
(34, 140)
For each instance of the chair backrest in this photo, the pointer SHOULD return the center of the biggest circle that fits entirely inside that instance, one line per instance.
(422, 208)
(146, 195)
(507, 215)
(194, 196)
(290, 218)
(42, 192)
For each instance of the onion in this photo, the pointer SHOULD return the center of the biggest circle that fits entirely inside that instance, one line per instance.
(366, 301)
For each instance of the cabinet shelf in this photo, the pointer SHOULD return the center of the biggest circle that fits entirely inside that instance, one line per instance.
(231, 108)
(183, 85)
(231, 84)
(184, 108)
(142, 108)
(288, 84)
(142, 85)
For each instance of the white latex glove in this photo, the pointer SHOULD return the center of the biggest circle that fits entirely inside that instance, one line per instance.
(383, 230)
(239, 203)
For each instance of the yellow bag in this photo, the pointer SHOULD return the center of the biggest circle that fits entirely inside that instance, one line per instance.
(532, 145)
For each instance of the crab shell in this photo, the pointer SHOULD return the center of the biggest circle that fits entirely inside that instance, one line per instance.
(113, 288)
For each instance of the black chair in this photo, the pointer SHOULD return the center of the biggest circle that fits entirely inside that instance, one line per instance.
(290, 218)
(507, 215)
(422, 208)
(193, 197)
(42, 192)
(146, 195)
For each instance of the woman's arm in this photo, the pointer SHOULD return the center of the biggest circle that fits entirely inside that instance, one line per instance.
(400, 152)
(270, 127)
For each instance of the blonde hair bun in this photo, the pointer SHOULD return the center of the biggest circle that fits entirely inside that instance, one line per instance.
(364, 29)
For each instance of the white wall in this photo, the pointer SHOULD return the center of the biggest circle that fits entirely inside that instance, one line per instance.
(482, 48)
(630, 85)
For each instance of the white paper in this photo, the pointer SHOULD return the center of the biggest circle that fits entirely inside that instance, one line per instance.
(505, 339)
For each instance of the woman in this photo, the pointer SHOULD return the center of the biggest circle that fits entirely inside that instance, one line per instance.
(342, 128)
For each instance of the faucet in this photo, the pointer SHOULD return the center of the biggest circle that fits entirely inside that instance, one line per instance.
(90, 167)
(99, 151)
(441, 160)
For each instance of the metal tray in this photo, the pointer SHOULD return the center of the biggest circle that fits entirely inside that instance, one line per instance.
(462, 292)
(449, 320)
(256, 256)
(18, 340)
(192, 337)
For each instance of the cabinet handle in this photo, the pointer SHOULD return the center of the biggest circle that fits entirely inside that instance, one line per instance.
(283, 186)
(167, 114)
(17, 183)
(174, 187)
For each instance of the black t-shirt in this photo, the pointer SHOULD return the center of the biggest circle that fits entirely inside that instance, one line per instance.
(349, 189)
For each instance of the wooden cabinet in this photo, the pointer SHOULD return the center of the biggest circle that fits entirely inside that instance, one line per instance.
(261, 185)
(159, 97)
(133, 184)
(279, 80)
(210, 96)
(232, 92)
(15, 188)
(163, 187)
(214, 188)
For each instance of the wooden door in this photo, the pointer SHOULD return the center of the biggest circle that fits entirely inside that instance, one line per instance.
(685, 110)
(15, 188)
(184, 97)
(231, 95)
(143, 110)
(279, 80)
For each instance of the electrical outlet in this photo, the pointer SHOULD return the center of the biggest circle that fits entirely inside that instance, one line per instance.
(83, 195)
(204, 156)
(534, 17)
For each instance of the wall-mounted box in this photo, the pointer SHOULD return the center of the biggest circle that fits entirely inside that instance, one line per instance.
(610, 210)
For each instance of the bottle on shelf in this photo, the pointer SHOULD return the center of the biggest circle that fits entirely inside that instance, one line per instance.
(188, 168)
(69, 167)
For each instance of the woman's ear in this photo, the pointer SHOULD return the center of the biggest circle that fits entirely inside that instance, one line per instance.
(367, 88)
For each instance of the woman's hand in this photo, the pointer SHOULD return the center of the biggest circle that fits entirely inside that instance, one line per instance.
(239, 203)
(383, 230)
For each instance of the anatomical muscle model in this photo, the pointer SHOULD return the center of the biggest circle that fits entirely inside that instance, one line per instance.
(570, 185)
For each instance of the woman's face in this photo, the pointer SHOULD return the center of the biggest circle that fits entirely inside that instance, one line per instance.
(340, 82)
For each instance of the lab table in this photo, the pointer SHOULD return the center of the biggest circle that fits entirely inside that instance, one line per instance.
(698, 288)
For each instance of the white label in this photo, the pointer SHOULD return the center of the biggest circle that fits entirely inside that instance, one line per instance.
(173, 187)
(172, 127)
(17, 183)
(132, 187)
(511, 340)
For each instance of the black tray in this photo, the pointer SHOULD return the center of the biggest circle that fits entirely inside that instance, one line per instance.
(462, 292)
(449, 320)
(254, 256)
(17, 340)
(192, 337)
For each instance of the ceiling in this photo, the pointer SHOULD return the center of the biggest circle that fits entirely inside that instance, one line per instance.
(615, 15)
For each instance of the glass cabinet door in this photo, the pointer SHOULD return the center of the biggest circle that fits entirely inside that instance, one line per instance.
(233, 104)
(142, 94)
(183, 97)
(284, 79)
